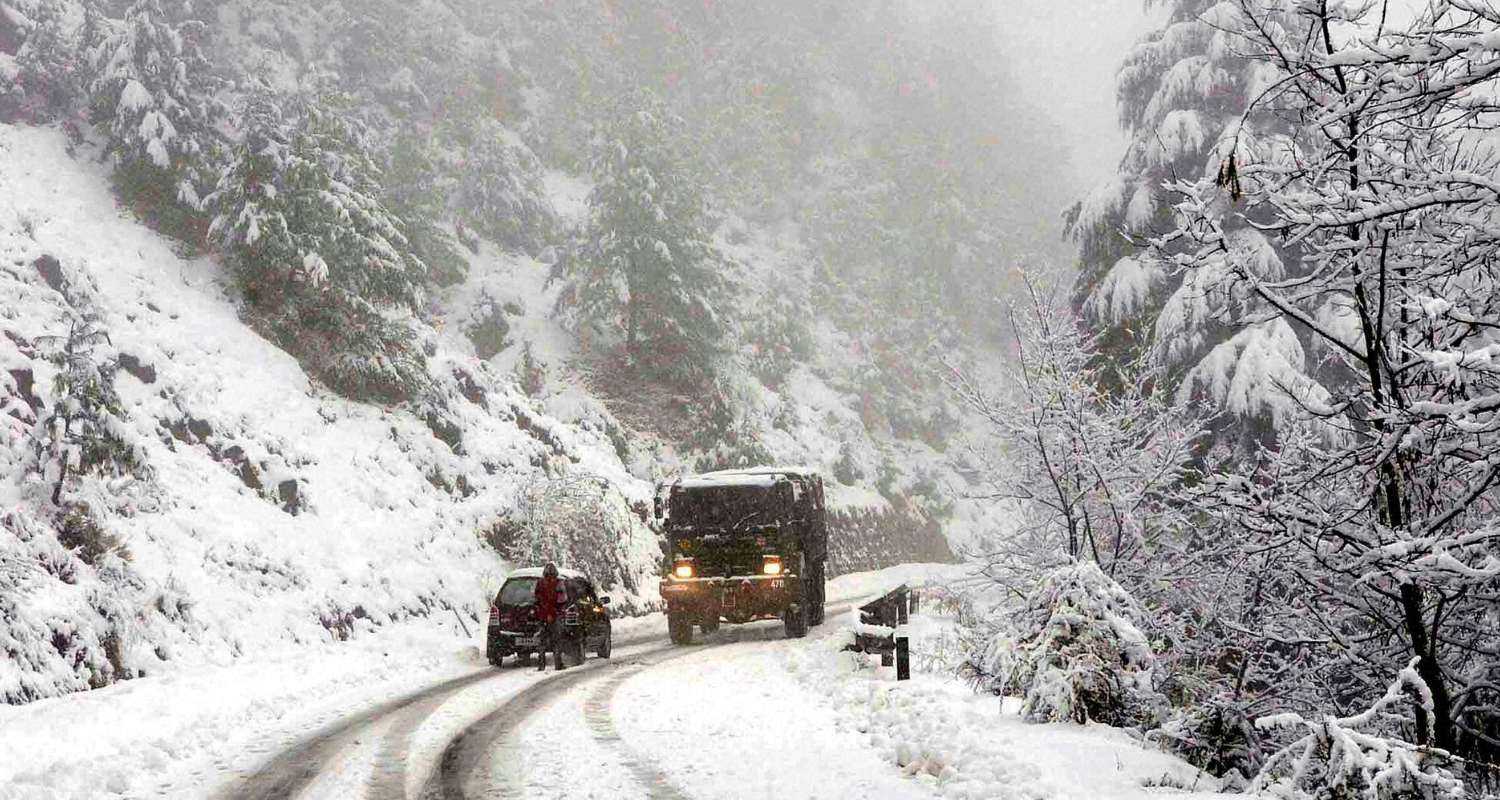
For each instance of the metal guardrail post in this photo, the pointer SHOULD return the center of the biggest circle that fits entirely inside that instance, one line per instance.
(903, 658)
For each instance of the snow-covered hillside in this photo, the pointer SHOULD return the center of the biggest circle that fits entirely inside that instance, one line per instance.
(273, 513)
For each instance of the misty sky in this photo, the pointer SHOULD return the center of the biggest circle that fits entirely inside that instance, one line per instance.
(1065, 54)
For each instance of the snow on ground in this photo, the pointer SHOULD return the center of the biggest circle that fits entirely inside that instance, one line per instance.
(178, 734)
(277, 515)
(807, 719)
(755, 714)
(185, 733)
(735, 723)
(960, 744)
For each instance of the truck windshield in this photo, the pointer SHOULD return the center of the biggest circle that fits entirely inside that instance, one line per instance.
(724, 508)
(517, 592)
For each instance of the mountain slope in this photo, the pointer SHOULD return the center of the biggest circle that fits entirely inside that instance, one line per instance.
(274, 512)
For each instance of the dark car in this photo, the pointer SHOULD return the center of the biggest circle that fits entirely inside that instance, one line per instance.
(514, 629)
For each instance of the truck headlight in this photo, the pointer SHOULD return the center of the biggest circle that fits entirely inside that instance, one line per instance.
(684, 569)
(772, 565)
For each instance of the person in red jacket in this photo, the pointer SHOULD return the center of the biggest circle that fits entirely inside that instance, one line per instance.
(551, 596)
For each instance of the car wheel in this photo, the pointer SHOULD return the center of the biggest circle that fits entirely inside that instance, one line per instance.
(575, 650)
(679, 629)
(606, 645)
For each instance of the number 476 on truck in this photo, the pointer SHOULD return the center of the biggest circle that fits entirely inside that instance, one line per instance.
(743, 545)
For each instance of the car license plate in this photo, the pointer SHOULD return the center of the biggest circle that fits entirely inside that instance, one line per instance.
(526, 641)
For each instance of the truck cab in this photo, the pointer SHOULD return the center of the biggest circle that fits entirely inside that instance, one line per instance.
(743, 545)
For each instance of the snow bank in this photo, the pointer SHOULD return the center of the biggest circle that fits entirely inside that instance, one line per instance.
(168, 736)
(967, 745)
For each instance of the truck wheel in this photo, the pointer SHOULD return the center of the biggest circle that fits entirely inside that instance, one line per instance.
(575, 650)
(607, 645)
(795, 621)
(679, 629)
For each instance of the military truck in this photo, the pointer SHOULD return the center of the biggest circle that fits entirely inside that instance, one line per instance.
(743, 545)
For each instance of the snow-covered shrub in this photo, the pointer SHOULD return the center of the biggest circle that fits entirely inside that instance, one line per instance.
(583, 522)
(1352, 758)
(488, 328)
(741, 445)
(66, 623)
(777, 335)
(531, 372)
(80, 532)
(1073, 652)
(1216, 736)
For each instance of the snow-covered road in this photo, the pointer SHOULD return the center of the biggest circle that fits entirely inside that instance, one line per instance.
(743, 712)
(515, 732)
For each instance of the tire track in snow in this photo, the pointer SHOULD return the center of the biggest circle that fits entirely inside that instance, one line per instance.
(469, 755)
(293, 770)
(598, 711)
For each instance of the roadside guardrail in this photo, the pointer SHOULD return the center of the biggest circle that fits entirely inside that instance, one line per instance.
(877, 629)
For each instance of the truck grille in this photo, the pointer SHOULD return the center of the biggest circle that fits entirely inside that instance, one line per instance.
(731, 565)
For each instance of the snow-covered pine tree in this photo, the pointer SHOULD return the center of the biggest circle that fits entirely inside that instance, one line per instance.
(1183, 96)
(647, 269)
(416, 189)
(83, 433)
(152, 96)
(325, 265)
(499, 193)
(51, 71)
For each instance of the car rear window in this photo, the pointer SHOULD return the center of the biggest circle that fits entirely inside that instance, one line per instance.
(517, 592)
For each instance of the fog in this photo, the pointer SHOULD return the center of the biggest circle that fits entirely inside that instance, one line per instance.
(1064, 55)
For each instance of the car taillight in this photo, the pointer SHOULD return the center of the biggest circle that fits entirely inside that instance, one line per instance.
(571, 615)
(494, 615)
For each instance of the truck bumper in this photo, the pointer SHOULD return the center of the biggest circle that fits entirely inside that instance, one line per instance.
(739, 598)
